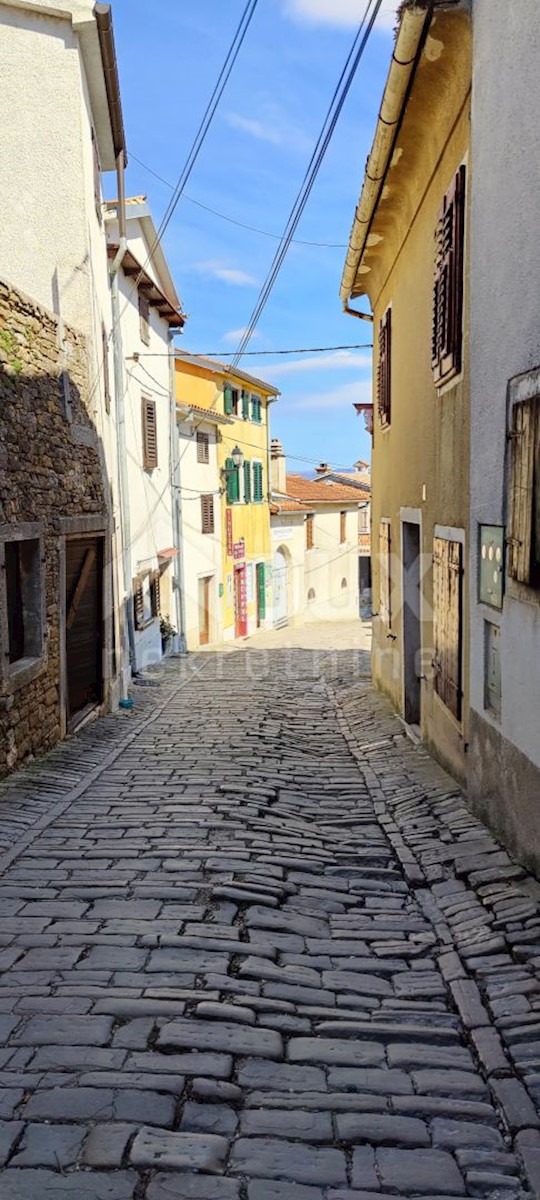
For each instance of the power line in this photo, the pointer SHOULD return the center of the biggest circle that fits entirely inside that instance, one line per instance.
(336, 104)
(231, 220)
(259, 353)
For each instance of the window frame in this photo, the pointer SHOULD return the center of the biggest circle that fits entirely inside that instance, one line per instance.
(384, 370)
(208, 520)
(150, 456)
(522, 571)
(449, 283)
(343, 527)
(23, 670)
(202, 441)
(144, 316)
(258, 481)
(310, 531)
(451, 537)
(256, 408)
(146, 586)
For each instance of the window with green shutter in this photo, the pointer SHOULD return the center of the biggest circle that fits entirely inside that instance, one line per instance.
(245, 405)
(228, 399)
(233, 481)
(247, 482)
(256, 414)
(257, 481)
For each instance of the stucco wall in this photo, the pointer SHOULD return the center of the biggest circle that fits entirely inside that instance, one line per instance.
(330, 565)
(505, 341)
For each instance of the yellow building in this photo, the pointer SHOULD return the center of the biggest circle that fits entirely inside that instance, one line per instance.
(244, 595)
(408, 253)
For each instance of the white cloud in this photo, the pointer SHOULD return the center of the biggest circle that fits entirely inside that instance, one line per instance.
(344, 14)
(236, 335)
(232, 275)
(338, 361)
(273, 128)
(344, 396)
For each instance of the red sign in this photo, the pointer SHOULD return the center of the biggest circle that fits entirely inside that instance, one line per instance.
(228, 525)
(240, 602)
(239, 549)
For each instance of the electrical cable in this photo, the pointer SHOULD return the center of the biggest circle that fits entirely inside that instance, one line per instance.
(256, 353)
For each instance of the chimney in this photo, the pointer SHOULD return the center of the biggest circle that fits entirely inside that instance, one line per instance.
(322, 469)
(278, 468)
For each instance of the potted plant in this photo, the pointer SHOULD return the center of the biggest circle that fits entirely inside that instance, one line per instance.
(167, 633)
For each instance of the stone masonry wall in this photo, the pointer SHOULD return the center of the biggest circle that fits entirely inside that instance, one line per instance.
(50, 467)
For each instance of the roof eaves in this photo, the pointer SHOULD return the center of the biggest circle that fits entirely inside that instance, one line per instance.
(225, 372)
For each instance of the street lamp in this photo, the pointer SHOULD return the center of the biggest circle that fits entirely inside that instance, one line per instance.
(237, 457)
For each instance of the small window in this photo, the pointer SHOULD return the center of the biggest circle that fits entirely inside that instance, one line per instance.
(106, 376)
(447, 340)
(257, 482)
(344, 584)
(235, 401)
(203, 448)
(385, 606)
(524, 525)
(149, 424)
(311, 594)
(146, 598)
(384, 369)
(447, 622)
(144, 317)
(23, 599)
(343, 527)
(207, 514)
(310, 532)
(256, 409)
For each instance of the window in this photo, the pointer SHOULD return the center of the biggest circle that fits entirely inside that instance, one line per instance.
(363, 520)
(257, 481)
(235, 401)
(311, 594)
(384, 369)
(97, 178)
(247, 482)
(524, 523)
(233, 481)
(203, 448)
(447, 622)
(144, 317)
(227, 399)
(23, 593)
(245, 405)
(344, 584)
(342, 527)
(310, 540)
(447, 342)
(256, 410)
(385, 607)
(146, 598)
(207, 514)
(149, 427)
(106, 376)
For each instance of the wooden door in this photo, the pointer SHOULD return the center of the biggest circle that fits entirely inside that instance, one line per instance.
(84, 624)
(204, 611)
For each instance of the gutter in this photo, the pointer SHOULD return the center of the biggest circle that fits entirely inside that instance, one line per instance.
(104, 22)
(413, 31)
(269, 400)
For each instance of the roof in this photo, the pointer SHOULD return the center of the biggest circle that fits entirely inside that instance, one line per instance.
(315, 492)
(132, 268)
(224, 370)
(280, 505)
(354, 481)
(138, 209)
(215, 418)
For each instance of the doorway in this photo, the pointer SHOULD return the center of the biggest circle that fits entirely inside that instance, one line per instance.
(204, 610)
(261, 594)
(412, 628)
(280, 580)
(83, 589)
(240, 602)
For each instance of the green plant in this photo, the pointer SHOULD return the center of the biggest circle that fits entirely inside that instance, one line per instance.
(167, 630)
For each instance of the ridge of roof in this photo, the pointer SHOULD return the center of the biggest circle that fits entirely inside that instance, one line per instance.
(299, 488)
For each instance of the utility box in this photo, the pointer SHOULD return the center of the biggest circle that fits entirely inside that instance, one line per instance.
(491, 565)
(492, 668)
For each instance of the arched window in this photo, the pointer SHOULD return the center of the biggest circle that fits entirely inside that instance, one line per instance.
(344, 583)
(311, 594)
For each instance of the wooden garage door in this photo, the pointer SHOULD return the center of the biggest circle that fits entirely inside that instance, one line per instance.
(84, 623)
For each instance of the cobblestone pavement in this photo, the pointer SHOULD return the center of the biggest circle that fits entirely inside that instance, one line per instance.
(263, 952)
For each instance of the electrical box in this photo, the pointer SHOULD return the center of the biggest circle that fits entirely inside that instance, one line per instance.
(492, 668)
(491, 565)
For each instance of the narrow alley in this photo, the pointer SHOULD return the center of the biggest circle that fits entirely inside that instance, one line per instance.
(254, 947)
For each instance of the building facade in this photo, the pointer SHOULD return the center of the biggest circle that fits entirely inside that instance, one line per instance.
(504, 757)
(408, 253)
(243, 455)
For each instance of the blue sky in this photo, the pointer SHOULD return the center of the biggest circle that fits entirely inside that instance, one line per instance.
(250, 167)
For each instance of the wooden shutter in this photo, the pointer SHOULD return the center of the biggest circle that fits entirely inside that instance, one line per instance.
(309, 531)
(384, 371)
(245, 405)
(247, 482)
(203, 448)
(447, 340)
(207, 514)
(257, 481)
(106, 376)
(385, 583)
(523, 438)
(149, 424)
(343, 527)
(447, 622)
(228, 399)
(138, 602)
(256, 408)
(155, 594)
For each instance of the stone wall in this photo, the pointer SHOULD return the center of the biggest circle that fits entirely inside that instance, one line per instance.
(50, 468)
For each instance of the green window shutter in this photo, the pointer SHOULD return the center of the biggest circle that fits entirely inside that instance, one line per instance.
(231, 480)
(261, 588)
(256, 408)
(236, 483)
(245, 405)
(247, 482)
(228, 400)
(257, 481)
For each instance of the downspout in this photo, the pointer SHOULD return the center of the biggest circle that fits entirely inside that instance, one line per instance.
(270, 400)
(179, 566)
(121, 426)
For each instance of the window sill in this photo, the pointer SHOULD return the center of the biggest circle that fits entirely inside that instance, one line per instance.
(18, 674)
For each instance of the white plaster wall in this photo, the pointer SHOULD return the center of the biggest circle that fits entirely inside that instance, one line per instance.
(201, 551)
(288, 531)
(328, 563)
(505, 322)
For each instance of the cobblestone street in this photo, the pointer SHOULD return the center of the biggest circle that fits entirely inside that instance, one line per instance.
(253, 946)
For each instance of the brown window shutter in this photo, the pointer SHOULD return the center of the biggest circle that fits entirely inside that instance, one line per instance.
(149, 424)
(385, 607)
(343, 527)
(524, 438)
(309, 532)
(384, 370)
(448, 622)
(447, 338)
(203, 448)
(155, 594)
(144, 317)
(138, 602)
(207, 514)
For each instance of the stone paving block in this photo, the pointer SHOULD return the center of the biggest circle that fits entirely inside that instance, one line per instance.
(363, 1170)
(208, 1035)
(77, 1058)
(134, 1034)
(381, 1130)
(256, 1073)
(336, 1052)
(186, 1186)
(7, 1025)
(179, 1151)
(9, 1132)
(33, 1185)
(10, 1098)
(105, 1145)
(518, 1108)
(69, 1103)
(216, 1090)
(64, 1031)
(420, 1172)
(302, 1126)
(457, 1135)
(209, 1118)
(272, 1189)
(383, 1082)
(466, 1084)
(218, 1066)
(275, 1158)
(55, 1146)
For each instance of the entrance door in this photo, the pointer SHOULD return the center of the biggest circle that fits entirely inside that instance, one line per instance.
(280, 581)
(84, 625)
(261, 594)
(412, 630)
(240, 602)
(204, 610)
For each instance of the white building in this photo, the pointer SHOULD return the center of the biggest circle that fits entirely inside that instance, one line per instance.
(314, 526)
(200, 501)
(504, 749)
(149, 310)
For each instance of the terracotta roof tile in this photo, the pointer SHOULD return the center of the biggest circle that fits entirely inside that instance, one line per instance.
(281, 505)
(313, 490)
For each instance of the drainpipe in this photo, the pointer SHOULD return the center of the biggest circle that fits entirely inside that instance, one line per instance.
(121, 425)
(179, 566)
(271, 400)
